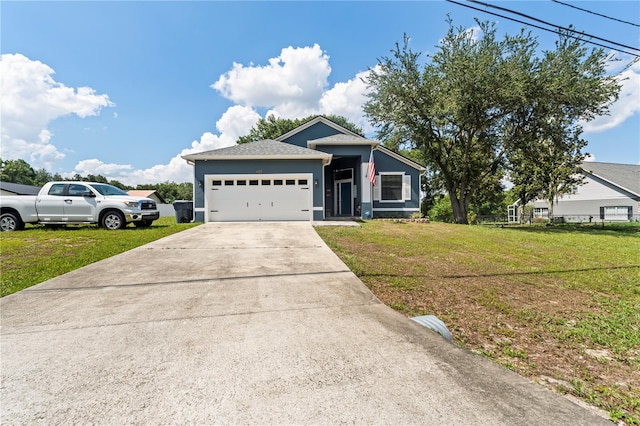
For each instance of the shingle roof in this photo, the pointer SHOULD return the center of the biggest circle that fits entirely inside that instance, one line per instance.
(267, 149)
(342, 139)
(626, 176)
(19, 189)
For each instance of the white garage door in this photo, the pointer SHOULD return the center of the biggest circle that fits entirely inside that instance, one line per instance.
(259, 197)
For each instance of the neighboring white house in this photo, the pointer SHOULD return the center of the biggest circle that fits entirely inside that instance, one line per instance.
(610, 193)
(162, 206)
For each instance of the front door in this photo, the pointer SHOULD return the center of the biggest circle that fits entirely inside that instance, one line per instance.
(344, 200)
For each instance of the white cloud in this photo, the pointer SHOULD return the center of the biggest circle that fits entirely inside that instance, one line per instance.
(626, 106)
(31, 99)
(291, 84)
(235, 122)
(347, 99)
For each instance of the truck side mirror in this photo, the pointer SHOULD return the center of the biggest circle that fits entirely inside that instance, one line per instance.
(89, 194)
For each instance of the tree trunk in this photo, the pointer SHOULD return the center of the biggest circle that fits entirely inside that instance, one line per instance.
(460, 209)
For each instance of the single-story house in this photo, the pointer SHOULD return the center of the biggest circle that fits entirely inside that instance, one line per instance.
(317, 171)
(147, 193)
(611, 193)
(8, 188)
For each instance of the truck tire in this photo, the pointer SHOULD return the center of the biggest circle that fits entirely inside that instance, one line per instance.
(112, 220)
(10, 221)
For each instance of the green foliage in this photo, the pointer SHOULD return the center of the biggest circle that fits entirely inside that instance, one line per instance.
(171, 191)
(17, 171)
(272, 127)
(442, 210)
(479, 102)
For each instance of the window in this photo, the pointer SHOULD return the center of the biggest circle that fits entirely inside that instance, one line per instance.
(266, 182)
(391, 187)
(57, 189)
(76, 190)
(616, 213)
(291, 182)
(228, 183)
(216, 183)
(242, 182)
(541, 212)
(302, 181)
(253, 182)
(277, 182)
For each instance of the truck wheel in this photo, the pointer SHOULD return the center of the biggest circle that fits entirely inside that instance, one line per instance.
(113, 220)
(10, 222)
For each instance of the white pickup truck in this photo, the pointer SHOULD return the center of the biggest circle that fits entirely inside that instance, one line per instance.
(72, 203)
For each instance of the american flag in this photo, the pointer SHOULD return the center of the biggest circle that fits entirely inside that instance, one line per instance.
(372, 170)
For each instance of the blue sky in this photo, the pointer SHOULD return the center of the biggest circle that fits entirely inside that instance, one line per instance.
(123, 88)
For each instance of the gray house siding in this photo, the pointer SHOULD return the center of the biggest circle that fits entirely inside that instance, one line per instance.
(256, 167)
(317, 131)
(386, 163)
(577, 208)
(611, 192)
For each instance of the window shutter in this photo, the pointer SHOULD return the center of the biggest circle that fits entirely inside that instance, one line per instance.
(406, 187)
(630, 213)
(602, 213)
(377, 189)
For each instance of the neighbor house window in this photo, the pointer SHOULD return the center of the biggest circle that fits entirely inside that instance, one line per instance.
(391, 187)
(541, 212)
(616, 213)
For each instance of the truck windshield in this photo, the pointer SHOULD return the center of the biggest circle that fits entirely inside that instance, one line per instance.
(107, 189)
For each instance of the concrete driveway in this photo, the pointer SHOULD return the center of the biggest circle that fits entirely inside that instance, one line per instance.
(252, 323)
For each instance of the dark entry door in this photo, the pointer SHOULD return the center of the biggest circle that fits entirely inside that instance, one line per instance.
(345, 202)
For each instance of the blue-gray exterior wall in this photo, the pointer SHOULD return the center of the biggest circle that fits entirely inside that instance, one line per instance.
(386, 163)
(317, 131)
(257, 167)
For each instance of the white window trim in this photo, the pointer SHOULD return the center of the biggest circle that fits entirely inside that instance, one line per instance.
(379, 182)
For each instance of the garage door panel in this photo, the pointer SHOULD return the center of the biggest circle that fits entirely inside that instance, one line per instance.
(264, 197)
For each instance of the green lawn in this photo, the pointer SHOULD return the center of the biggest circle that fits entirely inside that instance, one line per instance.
(560, 305)
(37, 253)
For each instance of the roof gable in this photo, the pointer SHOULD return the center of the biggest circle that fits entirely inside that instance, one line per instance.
(624, 176)
(401, 158)
(320, 121)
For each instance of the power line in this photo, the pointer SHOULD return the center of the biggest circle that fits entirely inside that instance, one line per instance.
(553, 25)
(595, 13)
(636, 55)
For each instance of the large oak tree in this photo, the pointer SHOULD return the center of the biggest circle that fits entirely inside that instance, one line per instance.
(479, 105)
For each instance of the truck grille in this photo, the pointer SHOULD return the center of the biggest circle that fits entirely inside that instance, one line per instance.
(147, 205)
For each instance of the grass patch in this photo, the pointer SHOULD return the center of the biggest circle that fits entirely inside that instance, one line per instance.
(38, 253)
(558, 304)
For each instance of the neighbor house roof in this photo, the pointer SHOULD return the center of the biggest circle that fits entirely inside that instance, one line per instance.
(267, 149)
(147, 193)
(19, 189)
(624, 176)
